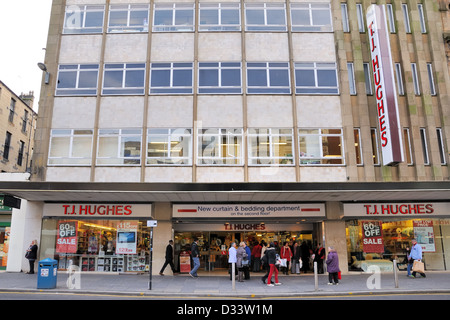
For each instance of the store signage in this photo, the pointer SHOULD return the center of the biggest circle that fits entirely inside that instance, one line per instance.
(66, 239)
(97, 210)
(385, 91)
(424, 234)
(397, 209)
(126, 237)
(372, 236)
(248, 210)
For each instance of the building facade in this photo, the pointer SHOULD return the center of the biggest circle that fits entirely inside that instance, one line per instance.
(238, 120)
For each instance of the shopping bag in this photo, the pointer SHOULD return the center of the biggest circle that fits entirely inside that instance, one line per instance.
(418, 266)
(283, 263)
(339, 275)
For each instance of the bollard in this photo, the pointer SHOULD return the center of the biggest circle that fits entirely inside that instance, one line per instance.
(233, 276)
(316, 277)
(395, 273)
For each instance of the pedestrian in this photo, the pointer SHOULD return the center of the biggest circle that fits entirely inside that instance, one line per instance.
(271, 259)
(195, 254)
(332, 266)
(169, 258)
(286, 253)
(249, 259)
(256, 257)
(296, 256)
(305, 256)
(232, 257)
(319, 255)
(31, 255)
(241, 254)
(416, 254)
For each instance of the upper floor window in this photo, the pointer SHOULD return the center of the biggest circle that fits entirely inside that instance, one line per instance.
(268, 77)
(77, 79)
(70, 147)
(270, 146)
(406, 18)
(219, 77)
(311, 17)
(12, 110)
(321, 147)
(316, 78)
(128, 18)
(119, 146)
(220, 146)
(128, 78)
(173, 17)
(169, 146)
(265, 17)
(84, 19)
(7, 145)
(25, 121)
(220, 17)
(171, 78)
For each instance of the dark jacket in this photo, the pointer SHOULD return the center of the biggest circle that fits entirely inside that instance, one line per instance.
(332, 262)
(32, 252)
(194, 250)
(271, 255)
(169, 253)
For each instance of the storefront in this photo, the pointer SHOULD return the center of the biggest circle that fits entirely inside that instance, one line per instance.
(378, 233)
(5, 233)
(97, 237)
(216, 226)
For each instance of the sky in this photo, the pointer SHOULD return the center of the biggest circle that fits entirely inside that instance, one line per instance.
(23, 35)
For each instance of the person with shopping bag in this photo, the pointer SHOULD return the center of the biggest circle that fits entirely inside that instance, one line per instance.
(415, 260)
(286, 255)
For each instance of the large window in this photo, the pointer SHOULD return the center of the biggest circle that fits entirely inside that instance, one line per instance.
(119, 146)
(70, 147)
(84, 19)
(173, 17)
(171, 78)
(311, 17)
(270, 146)
(77, 79)
(321, 147)
(268, 77)
(220, 146)
(219, 77)
(316, 78)
(128, 18)
(169, 146)
(265, 17)
(120, 78)
(220, 17)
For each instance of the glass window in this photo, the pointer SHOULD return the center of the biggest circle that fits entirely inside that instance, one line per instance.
(128, 18)
(169, 146)
(431, 79)
(84, 19)
(344, 12)
(128, 78)
(172, 78)
(375, 147)
(360, 16)
(423, 27)
(220, 17)
(173, 17)
(268, 77)
(358, 146)
(321, 147)
(390, 17)
(316, 78)
(398, 76)
(119, 146)
(270, 146)
(220, 146)
(441, 146)
(423, 138)
(70, 147)
(406, 18)
(351, 78)
(311, 17)
(219, 77)
(77, 79)
(407, 141)
(368, 78)
(415, 79)
(265, 17)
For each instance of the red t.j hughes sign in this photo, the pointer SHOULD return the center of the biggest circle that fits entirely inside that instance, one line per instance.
(385, 92)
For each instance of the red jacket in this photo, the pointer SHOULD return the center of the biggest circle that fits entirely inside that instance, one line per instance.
(286, 253)
(256, 252)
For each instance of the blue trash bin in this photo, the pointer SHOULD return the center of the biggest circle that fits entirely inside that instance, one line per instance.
(47, 270)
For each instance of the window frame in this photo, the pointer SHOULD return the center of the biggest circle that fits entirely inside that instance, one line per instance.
(221, 7)
(271, 142)
(311, 7)
(169, 135)
(77, 90)
(316, 67)
(425, 153)
(172, 68)
(320, 135)
(121, 135)
(84, 10)
(431, 79)
(69, 159)
(351, 79)
(423, 26)
(415, 79)
(345, 20)
(219, 134)
(125, 69)
(220, 88)
(441, 146)
(266, 7)
(406, 21)
(269, 68)
(129, 8)
(174, 26)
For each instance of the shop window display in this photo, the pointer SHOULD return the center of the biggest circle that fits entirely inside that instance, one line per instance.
(97, 245)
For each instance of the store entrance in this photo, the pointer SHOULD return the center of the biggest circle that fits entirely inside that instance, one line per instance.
(214, 245)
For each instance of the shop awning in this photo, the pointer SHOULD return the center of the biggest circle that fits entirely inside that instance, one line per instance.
(227, 192)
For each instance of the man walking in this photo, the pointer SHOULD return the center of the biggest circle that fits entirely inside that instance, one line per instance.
(232, 258)
(416, 254)
(169, 258)
(195, 254)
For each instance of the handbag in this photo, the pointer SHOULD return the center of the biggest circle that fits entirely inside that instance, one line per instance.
(418, 266)
(283, 262)
(245, 263)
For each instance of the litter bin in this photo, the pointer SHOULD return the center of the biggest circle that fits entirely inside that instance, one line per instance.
(47, 269)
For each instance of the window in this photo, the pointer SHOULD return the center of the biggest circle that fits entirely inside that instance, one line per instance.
(169, 146)
(70, 147)
(268, 77)
(390, 17)
(220, 17)
(398, 76)
(128, 78)
(311, 17)
(441, 146)
(321, 147)
(351, 78)
(119, 147)
(219, 77)
(431, 79)
(316, 78)
(358, 149)
(25, 121)
(423, 138)
(171, 78)
(375, 148)
(173, 17)
(12, 110)
(360, 16)
(20, 154)
(265, 17)
(270, 146)
(368, 78)
(220, 147)
(84, 19)
(344, 12)
(423, 27)
(7, 145)
(407, 141)
(128, 18)
(406, 18)
(77, 79)
(415, 78)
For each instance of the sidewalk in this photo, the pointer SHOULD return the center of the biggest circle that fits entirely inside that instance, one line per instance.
(219, 285)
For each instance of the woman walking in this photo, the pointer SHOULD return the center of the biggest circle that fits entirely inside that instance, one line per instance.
(332, 266)
(272, 258)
